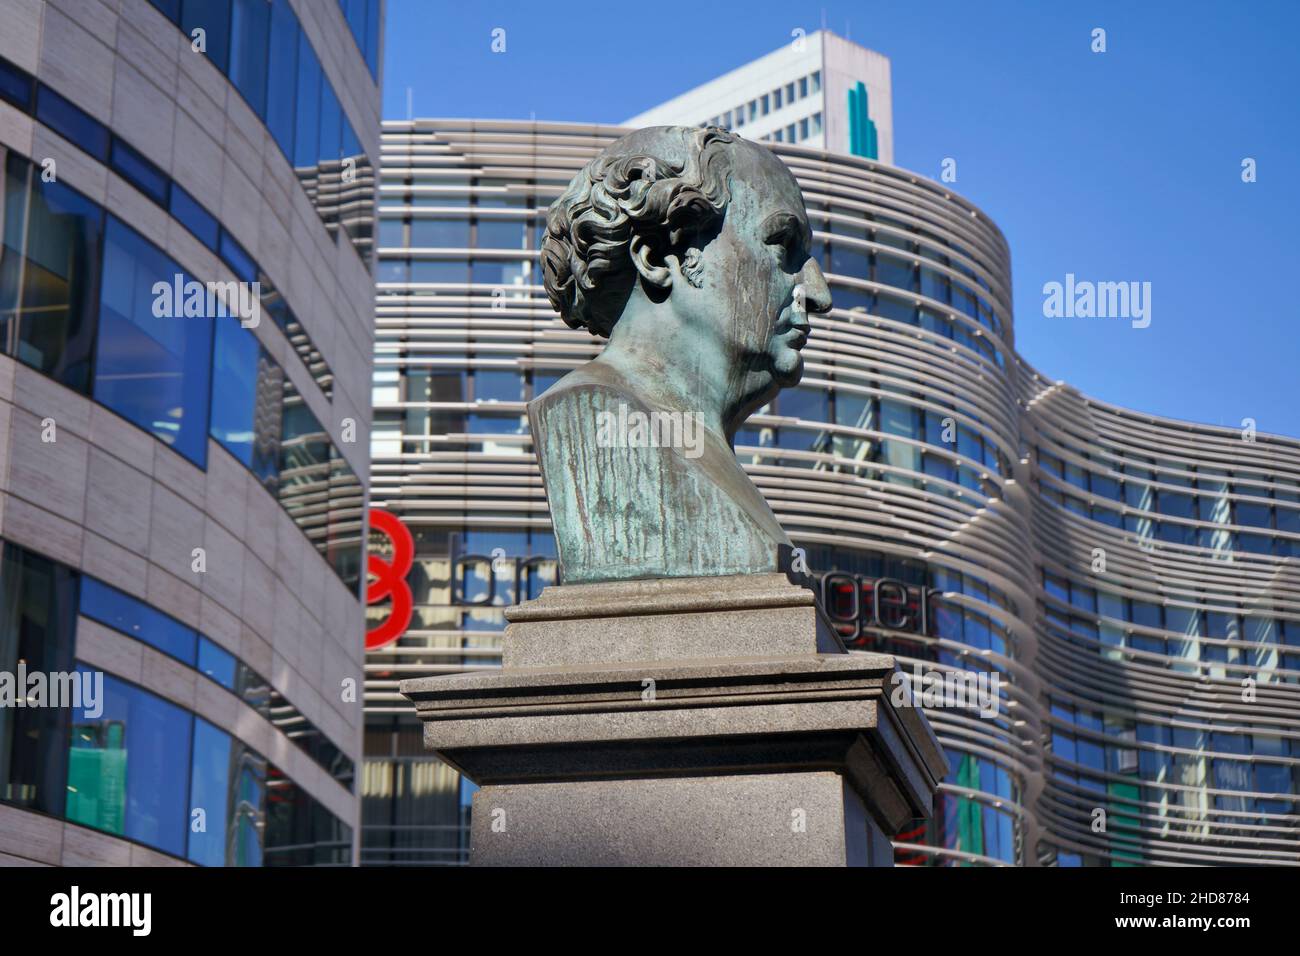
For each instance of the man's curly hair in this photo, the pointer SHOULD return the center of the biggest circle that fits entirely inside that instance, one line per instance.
(663, 184)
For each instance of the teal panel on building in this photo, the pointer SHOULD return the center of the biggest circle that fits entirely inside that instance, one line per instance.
(862, 130)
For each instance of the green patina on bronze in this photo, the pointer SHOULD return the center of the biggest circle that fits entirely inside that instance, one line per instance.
(690, 250)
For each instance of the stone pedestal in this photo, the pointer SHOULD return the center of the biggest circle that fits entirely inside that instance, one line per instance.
(699, 721)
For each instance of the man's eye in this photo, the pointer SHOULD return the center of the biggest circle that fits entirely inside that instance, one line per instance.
(792, 248)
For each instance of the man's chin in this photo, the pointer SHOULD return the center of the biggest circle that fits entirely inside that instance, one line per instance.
(787, 370)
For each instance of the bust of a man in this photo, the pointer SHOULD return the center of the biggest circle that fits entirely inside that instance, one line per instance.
(689, 249)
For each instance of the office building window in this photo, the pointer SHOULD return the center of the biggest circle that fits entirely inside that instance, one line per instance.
(151, 369)
(776, 98)
(501, 234)
(299, 830)
(72, 123)
(817, 81)
(319, 489)
(260, 47)
(123, 763)
(48, 297)
(766, 104)
(362, 17)
(213, 18)
(816, 123)
(803, 87)
(246, 395)
(282, 75)
(228, 781)
(195, 218)
(217, 664)
(250, 22)
(392, 233)
(38, 619)
(307, 128)
(16, 86)
(134, 618)
(440, 233)
(141, 173)
(789, 92)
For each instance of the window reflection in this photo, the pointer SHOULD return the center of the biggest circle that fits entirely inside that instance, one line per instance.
(48, 297)
(151, 370)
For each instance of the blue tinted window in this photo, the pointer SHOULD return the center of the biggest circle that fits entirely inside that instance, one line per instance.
(55, 311)
(235, 354)
(1248, 513)
(213, 17)
(152, 370)
(124, 613)
(501, 386)
(354, 11)
(238, 260)
(440, 233)
(126, 766)
(282, 76)
(72, 123)
(350, 145)
(217, 663)
(171, 9)
(372, 37)
(210, 792)
(852, 262)
(499, 234)
(443, 270)
(331, 126)
(194, 217)
(307, 128)
(890, 308)
(250, 22)
(395, 270)
(362, 17)
(15, 86)
(245, 828)
(141, 173)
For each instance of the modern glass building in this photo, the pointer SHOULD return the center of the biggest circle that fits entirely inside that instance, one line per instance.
(183, 475)
(1149, 693)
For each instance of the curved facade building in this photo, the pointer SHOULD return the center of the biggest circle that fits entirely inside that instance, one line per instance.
(185, 329)
(1169, 646)
(933, 479)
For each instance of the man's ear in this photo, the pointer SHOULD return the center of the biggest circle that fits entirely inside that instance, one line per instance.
(655, 273)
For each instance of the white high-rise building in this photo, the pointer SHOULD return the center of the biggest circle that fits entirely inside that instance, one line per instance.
(820, 91)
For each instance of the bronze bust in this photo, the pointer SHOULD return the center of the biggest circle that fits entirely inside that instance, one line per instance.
(690, 250)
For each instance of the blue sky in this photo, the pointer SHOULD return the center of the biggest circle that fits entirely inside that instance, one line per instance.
(1115, 166)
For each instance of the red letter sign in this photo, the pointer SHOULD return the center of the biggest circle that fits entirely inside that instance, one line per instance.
(390, 579)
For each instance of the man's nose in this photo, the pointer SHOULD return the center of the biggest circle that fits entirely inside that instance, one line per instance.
(817, 294)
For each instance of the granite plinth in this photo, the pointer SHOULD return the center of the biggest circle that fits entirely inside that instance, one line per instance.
(677, 749)
(667, 619)
(772, 819)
